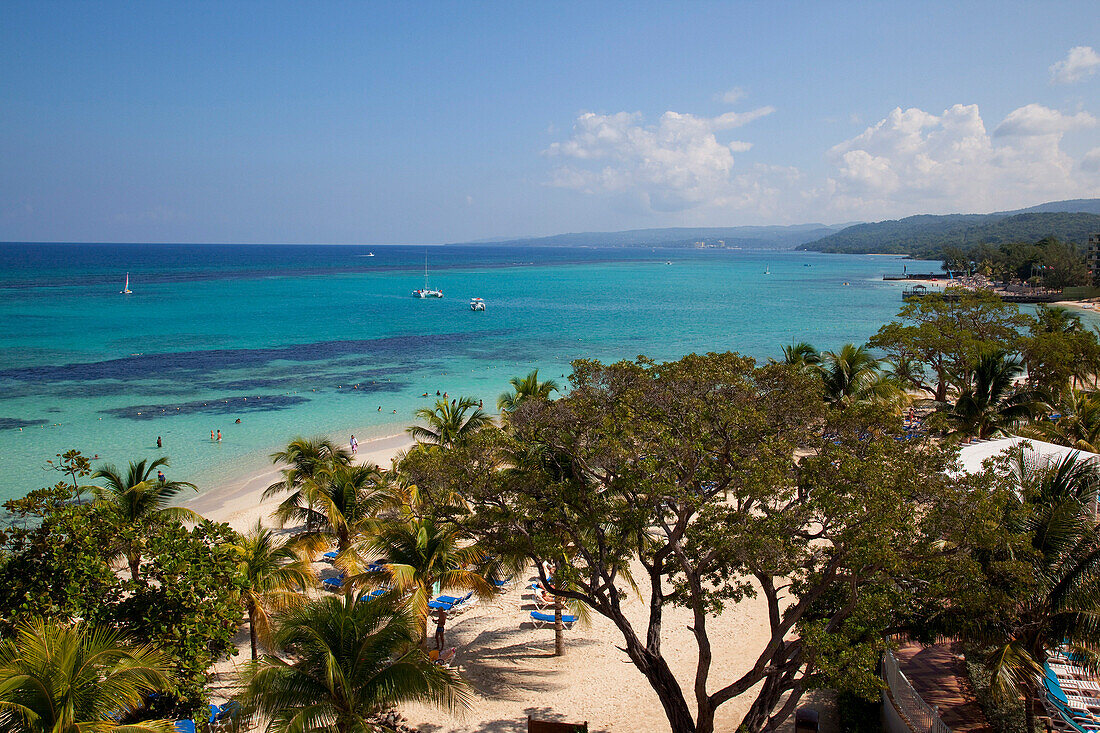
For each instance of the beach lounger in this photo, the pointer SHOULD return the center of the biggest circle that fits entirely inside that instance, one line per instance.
(333, 584)
(373, 594)
(329, 556)
(185, 726)
(448, 603)
(541, 619)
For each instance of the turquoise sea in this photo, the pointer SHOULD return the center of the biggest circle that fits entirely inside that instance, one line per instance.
(278, 336)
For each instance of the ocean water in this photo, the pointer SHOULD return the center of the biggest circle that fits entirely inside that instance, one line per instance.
(278, 336)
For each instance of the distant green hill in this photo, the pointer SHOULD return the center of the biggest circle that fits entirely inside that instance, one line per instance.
(749, 237)
(926, 235)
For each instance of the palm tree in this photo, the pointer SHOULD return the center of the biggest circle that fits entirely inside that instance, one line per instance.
(448, 422)
(1078, 426)
(990, 400)
(138, 498)
(306, 461)
(1061, 603)
(801, 355)
(274, 575)
(525, 388)
(421, 554)
(347, 501)
(852, 375)
(352, 662)
(1056, 319)
(74, 679)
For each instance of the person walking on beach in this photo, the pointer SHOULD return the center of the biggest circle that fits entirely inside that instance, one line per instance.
(354, 445)
(219, 436)
(440, 628)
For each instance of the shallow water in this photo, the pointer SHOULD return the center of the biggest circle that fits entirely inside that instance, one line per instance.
(278, 335)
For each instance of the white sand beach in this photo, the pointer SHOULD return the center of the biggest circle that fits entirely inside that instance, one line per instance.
(509, 664)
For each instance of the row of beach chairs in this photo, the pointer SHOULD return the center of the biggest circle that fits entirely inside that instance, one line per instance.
(1070, 697)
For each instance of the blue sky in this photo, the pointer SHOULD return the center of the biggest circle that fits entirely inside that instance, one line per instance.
(437, 122)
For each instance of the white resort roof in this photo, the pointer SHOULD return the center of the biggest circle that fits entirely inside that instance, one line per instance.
(973, 455)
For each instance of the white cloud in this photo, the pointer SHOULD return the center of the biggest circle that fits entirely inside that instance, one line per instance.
(1079, 63)
(733, 95)
(914, 161)
(1035, 119)
(675, 164)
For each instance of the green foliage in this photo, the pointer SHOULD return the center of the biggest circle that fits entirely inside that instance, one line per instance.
(67, 679)
(59, 570)
(526, 388)
(187, 600)
(926, 236)
(1005, 715)
(948, 336)
(351, 662)
(685, 470)
(449, 423)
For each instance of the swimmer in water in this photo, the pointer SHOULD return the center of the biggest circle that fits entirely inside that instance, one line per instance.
(219, 436)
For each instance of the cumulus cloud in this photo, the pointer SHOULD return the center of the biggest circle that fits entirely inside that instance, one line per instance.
(913, 160)
(1035, 119)
(675, 164)
(1079, 63)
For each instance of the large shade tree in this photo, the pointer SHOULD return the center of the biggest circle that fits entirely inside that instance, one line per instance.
(686, 470)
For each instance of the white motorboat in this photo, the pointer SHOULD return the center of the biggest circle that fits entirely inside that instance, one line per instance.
(477, 304)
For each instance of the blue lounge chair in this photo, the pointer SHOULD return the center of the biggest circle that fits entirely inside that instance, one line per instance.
(541, 619)
(330, 556)
(373, 594)
(448, 603)
(185, 726)
(333, 583)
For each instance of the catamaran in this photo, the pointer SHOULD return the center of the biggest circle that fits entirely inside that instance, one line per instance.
(477, 304)
(426, 292)
(126, 288)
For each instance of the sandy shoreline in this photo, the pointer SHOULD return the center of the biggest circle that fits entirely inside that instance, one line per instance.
(239, 501)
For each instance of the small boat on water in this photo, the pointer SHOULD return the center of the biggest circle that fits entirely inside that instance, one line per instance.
(767, 269)
(370, 254)
(426, 292)
(126, 288)
(477, 304)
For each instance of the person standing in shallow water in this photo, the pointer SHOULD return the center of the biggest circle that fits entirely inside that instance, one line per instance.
(211, 436)
(219, 436)
(159, 443)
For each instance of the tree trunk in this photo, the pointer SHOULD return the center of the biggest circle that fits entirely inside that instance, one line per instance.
(559, 631)
(134, 559)
(252, 634)
(665, 684)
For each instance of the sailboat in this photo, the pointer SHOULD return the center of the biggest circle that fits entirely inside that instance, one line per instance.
(126, 288)
(767, 269)
(425, 292)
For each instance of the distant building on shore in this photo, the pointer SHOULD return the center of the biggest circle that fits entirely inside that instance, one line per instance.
(1092, 257)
